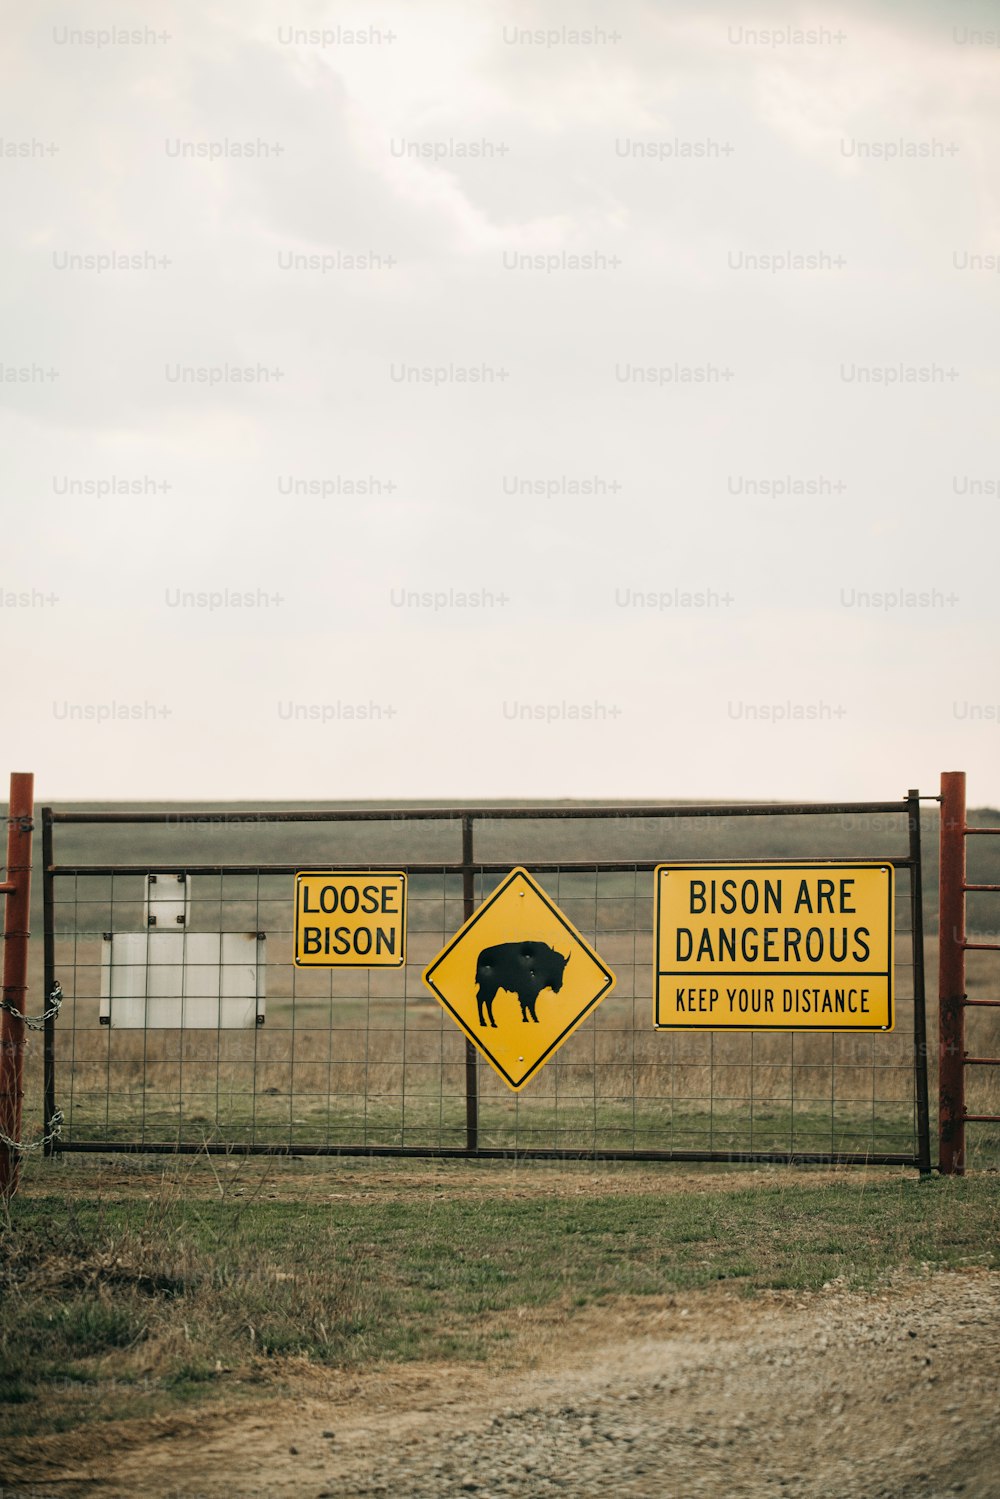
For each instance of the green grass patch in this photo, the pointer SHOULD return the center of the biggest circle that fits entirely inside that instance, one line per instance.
(128, 1306)
(570, 1125)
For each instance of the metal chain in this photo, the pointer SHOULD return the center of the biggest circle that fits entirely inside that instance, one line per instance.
(55, 1131)
(36, 1022)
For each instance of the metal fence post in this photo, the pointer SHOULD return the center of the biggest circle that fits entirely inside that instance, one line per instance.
(951, 975)
(471, 1057)
(919, 998)
(17, 915)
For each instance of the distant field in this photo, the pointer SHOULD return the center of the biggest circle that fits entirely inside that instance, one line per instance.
(251, 842)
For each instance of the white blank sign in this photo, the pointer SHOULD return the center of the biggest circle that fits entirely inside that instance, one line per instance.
(182, 980)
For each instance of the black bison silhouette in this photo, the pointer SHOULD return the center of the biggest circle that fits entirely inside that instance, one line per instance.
(522, 968)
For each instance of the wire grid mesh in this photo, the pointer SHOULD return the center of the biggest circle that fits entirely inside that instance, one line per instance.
(366, 1059)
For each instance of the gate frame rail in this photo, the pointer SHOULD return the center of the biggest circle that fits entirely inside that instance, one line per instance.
(468, 867)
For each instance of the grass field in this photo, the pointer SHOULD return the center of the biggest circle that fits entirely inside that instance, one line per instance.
(129, 1291)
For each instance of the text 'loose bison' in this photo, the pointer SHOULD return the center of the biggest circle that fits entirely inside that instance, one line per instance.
(522, 968)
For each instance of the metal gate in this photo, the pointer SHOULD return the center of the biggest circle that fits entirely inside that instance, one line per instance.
(365, 1062)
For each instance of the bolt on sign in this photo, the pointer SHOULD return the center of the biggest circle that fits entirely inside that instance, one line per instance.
(518, 978)
(349, 918)
(774, 946)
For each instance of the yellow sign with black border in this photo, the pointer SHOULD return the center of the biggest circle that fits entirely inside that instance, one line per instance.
(350, 918)
(774, 946)
(518, 978)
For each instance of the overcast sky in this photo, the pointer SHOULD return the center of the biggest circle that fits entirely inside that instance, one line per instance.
(663, 343)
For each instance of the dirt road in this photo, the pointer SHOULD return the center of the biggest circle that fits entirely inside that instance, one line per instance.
(839, 1393)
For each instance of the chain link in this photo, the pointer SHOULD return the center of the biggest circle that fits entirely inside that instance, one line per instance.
(36, 1022)
(21, 1147)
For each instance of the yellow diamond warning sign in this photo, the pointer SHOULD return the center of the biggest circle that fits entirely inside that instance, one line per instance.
(518, 978)
(774, 946)
(347, 918)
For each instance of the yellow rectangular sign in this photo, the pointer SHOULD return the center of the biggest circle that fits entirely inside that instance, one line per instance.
(350, 918)
(774, 947)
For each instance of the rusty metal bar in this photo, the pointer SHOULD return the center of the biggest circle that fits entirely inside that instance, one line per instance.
(981, 946)
(987, 1004)
(981, 887)
(982, 1119)
(17, 917)
(981, 1061)
(951, 976)
(981, 832)
(919, 1000)
(471, 1055)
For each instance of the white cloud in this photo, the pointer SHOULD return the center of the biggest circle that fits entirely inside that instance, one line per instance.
(551, 406)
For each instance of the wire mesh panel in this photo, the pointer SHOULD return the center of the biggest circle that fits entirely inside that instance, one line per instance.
(366, 1059)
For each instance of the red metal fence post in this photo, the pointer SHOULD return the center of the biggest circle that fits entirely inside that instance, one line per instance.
(951, 975)
(15, 970)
